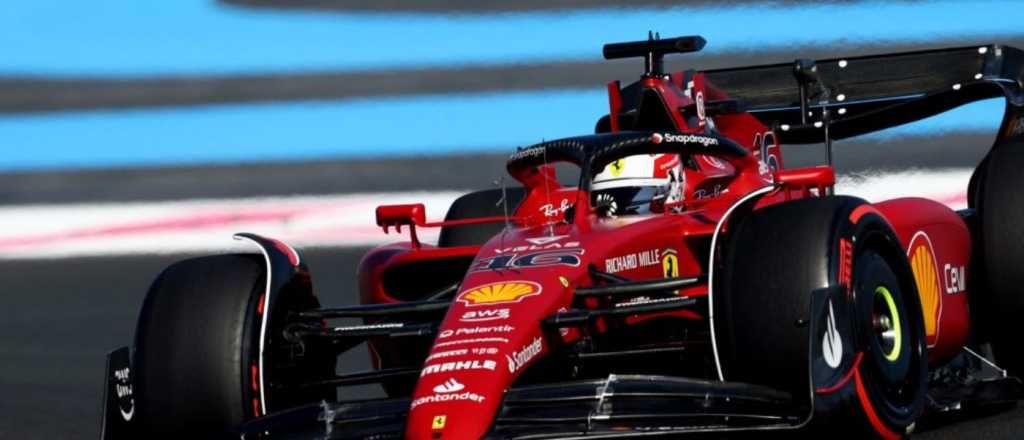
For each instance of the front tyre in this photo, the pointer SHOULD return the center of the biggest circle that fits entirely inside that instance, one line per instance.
(197, 361)
(194, 345)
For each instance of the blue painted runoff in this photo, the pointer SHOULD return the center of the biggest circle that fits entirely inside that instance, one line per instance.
(132, 37)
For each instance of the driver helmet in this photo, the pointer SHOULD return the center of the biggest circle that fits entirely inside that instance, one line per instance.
(639, 184)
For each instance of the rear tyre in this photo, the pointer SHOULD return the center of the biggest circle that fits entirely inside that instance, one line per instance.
(486, 203)
(1001, 210)
(197, 349)
(781, 279)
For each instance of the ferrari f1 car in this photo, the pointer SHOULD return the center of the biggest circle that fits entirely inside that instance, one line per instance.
(721, 292)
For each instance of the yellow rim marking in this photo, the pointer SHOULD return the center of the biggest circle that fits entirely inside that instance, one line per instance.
(898, 341)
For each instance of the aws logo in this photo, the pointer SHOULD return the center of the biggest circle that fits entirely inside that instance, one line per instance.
(922, 261)
(499, 293)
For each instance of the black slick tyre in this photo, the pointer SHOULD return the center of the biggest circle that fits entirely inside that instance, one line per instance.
(815, 297)
(194, 347)
(1000, 203)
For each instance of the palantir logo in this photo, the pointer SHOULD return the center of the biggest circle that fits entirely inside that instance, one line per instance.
(449, 386)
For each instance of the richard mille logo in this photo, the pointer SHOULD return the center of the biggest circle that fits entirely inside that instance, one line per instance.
(832, 342)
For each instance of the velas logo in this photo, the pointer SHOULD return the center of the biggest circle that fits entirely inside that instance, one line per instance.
(499, 293)
(922, 261)
(449, 386)
(537, 246)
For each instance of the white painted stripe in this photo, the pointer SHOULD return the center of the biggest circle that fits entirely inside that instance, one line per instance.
(948, 186)
(55, 231)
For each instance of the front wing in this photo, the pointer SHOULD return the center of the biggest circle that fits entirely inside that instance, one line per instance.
(619, 406)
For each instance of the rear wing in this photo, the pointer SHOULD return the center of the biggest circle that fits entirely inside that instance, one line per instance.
(870, 93)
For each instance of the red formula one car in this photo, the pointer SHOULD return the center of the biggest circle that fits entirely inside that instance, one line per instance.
(685, 282)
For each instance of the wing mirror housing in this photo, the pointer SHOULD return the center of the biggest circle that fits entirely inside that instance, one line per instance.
(398, 215)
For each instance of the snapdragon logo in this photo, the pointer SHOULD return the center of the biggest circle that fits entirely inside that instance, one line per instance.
(684, 138)
(529, 152)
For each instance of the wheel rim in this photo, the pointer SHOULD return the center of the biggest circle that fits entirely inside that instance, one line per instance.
(885, 321)
(891, 339)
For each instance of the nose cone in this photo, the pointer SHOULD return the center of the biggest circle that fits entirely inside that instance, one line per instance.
(490, 335)
(451, 409)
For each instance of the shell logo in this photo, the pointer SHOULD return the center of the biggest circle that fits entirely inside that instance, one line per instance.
(922, 262)
(497, 293)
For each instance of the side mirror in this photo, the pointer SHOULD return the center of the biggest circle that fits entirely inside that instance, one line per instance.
(821, 178)
(398, 215)
(810, 176)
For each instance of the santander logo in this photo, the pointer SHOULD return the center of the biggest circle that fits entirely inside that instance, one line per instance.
(449, 386)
